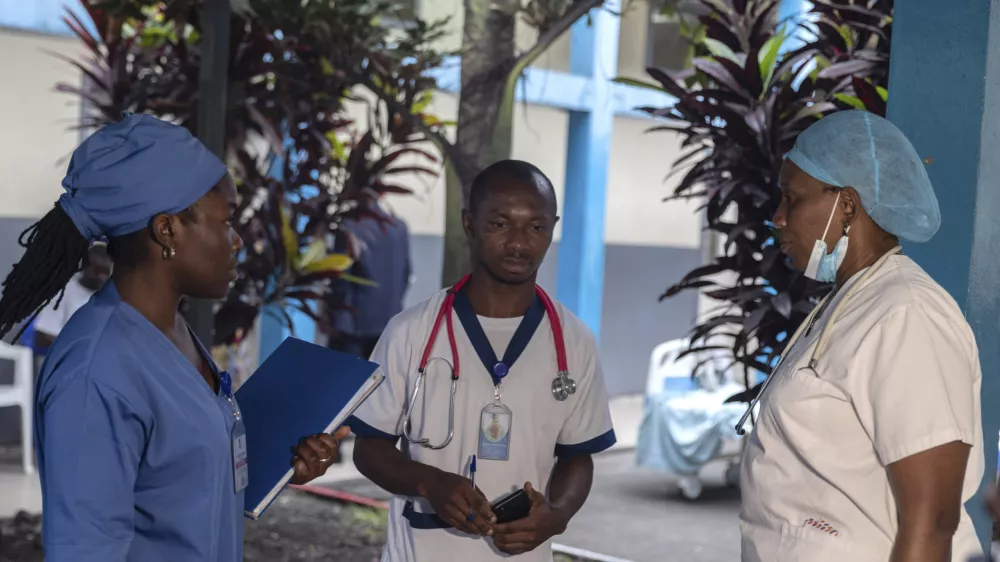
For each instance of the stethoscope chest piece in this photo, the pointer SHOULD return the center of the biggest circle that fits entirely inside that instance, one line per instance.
(563, 386)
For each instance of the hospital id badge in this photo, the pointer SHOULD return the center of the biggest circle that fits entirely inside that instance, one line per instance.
(241, 474)
(494, 432)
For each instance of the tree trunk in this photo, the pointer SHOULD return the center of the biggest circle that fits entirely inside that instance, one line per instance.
(212, 84)
(487, 58)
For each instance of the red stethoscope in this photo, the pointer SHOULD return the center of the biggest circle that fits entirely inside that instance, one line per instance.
(562, 386)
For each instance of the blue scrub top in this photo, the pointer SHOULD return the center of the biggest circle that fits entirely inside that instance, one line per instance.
(134, 449)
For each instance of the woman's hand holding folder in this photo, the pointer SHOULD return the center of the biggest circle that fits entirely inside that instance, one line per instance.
(315, 454)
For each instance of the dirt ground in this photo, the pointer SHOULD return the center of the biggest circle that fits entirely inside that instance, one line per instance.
(298, 527)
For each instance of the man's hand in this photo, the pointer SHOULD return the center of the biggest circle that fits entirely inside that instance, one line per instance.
(542, 523)
(453, 498)
(314, 454)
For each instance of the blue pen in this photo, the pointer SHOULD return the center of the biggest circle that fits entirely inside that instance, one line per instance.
(472, 476)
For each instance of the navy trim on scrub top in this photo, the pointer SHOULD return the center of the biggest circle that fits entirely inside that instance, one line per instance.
(423, 521)
(518, 342)
(589, 447)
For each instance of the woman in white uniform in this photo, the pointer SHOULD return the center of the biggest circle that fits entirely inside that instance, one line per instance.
(868, 439)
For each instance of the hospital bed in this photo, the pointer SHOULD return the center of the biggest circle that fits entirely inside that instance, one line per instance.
(686, 423)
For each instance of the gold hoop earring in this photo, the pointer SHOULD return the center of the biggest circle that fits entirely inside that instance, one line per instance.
(168, 253)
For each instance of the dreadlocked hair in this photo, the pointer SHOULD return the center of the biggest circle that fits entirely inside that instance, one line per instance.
(54, 252)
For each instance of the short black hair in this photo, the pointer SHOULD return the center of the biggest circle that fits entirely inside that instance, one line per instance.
(514, 170)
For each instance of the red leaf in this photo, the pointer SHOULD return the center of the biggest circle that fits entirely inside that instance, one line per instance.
(668, 82)
(410, 170)
(382, 187)
(717, 69)
(847, 68)
(869, 96)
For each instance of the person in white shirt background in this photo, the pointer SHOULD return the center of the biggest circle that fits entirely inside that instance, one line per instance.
(869, 438)
(55, 315)
(514, 408)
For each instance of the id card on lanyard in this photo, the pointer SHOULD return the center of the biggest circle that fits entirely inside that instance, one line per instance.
(496, 418)
(494, 429)
(238, 436)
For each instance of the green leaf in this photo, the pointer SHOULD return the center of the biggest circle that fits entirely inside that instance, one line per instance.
(845, 32)
(332, 262)
(339, 147)
(191, 35)
(852, 101)
(358, 280)
(288, 237)
(720, 49)
(768, 58)
(422, 102)
(314, 251)
(700, 34)
(637, 83)
(326, 66)
(882, 93)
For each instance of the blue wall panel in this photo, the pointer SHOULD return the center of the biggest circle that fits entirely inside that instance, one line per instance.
(945, 95)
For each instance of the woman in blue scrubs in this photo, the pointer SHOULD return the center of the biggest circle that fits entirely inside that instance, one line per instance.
(135, 428)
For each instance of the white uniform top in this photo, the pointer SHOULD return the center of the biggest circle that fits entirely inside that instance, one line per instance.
(51, 320)
(542, 428)
(899, 374)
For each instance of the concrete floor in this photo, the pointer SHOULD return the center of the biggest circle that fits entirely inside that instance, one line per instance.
(632, 514)
(637, 515)
(18, 491)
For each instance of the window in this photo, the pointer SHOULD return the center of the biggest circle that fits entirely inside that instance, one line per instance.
(409, 11)
(666, 45)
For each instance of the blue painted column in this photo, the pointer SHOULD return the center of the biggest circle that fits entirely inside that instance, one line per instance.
(944, 94)
(593, 54)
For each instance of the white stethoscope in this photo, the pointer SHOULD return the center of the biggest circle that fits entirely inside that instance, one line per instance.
(823, 336)
(562, 386)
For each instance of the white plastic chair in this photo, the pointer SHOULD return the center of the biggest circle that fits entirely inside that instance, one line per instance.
(21, 394)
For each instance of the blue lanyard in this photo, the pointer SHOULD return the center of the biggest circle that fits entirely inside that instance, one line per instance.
(226, 386)
(498, 369)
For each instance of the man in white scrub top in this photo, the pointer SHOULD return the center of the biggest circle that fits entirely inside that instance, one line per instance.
(868, 440)
(532, 440)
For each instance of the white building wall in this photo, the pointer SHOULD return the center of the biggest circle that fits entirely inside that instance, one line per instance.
(35, 120)
(637, 178)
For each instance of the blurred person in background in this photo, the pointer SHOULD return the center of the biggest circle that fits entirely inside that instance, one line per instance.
(55, 315)
(360, 313)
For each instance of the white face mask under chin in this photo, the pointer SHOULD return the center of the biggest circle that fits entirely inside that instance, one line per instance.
(822, 266)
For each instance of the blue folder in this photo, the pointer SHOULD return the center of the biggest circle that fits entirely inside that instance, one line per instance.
(301, 389)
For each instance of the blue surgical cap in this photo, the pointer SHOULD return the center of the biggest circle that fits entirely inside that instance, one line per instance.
(128, 172)
(864, 151)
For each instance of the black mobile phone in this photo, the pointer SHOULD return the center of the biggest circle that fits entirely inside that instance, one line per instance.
(512, 507)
